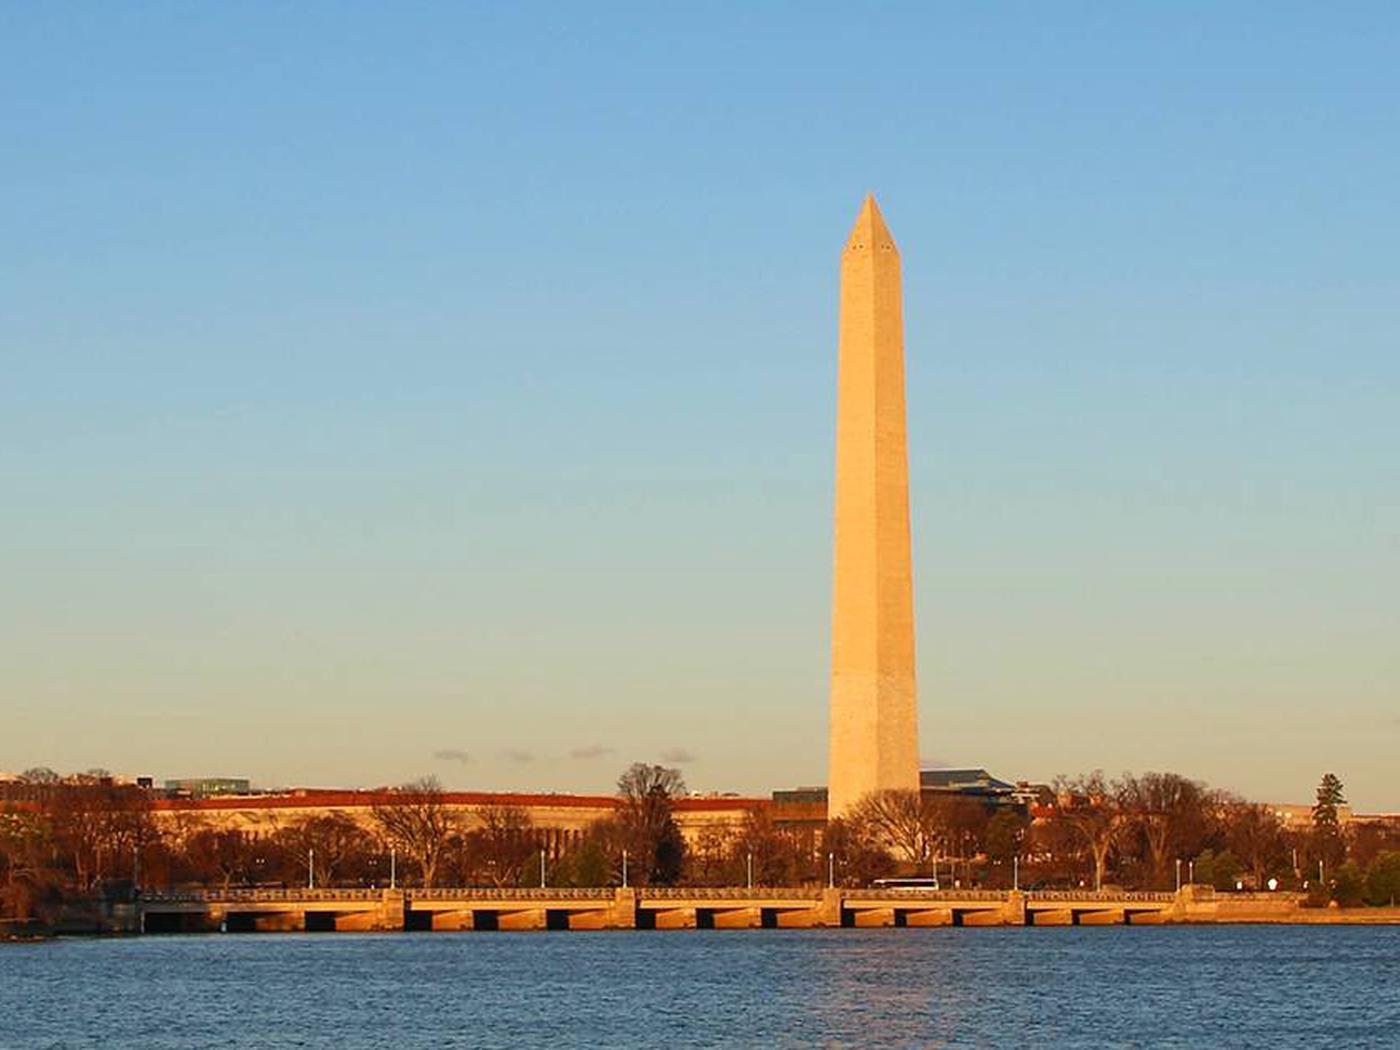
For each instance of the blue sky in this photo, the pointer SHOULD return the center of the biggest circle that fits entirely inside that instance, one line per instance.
(380, 381)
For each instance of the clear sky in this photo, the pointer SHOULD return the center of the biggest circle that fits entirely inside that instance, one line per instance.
(390, 389)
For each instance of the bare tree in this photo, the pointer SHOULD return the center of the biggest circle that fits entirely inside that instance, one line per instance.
(776, 854)
(909, 823)
(1089, 806)
(25, 845)
(333, 845)
(99, 825)
(855, 853)
(646, 824)
(964, 822)
(1162, 806)
(416, 817)
(1255, 836)
(709, 860)
(222, 855)
(502, 845)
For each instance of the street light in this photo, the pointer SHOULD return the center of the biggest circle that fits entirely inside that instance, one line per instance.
(1016, 872)
(1178, 874)
(393, 867)
(310, 869)
(541, 869)
(750, 871)
(624, 869)
(831, 871)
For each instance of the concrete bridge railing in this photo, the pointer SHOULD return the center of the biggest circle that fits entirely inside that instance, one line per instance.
(728, 893)
(500, 893)
(921, 894)
(1107, 896)
(260, 895)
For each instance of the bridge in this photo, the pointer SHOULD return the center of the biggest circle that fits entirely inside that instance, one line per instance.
(663, 908)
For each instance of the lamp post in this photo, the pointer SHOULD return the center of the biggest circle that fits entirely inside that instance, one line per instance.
(831, 871)
(1016, 872)
(310, 869)
(393, 867)
(750, 869)
(1191, 872)
(624, 869)
(1178, 874)
(541, 869)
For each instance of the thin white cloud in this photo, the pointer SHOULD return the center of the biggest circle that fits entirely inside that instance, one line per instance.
(592, 751)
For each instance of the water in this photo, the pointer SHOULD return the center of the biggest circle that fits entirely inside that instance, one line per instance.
(1267, 986)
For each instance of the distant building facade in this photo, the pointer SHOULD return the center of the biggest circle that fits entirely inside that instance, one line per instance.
(208, 787)
(558, 821)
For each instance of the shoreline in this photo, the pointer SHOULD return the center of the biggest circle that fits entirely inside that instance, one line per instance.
(111, 934)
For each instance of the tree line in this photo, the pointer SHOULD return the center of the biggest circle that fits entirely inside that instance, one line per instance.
(78, 836)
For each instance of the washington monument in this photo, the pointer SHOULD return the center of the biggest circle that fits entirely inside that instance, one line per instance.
(874, 701)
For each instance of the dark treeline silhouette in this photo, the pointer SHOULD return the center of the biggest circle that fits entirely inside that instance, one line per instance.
(81, 836)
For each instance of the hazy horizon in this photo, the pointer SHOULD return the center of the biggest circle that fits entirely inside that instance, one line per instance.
(449, 390)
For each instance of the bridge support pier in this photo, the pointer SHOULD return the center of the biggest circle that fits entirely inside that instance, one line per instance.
(1013, 912)
(623, 914)
(981, 917)
(358, 921)
(1106, 917)
(1145, 918)
(264, 922)
(528, 919)
(590, 920)
(393, 911)
(867, 917)
(828, 911)
(931, 917)
(452, 920)
(737, 918)
(673, 919)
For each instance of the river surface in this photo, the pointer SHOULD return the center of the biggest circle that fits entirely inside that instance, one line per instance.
(1257, 986)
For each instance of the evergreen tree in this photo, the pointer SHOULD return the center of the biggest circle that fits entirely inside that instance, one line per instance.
(1327, 843)
(1329, 797)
